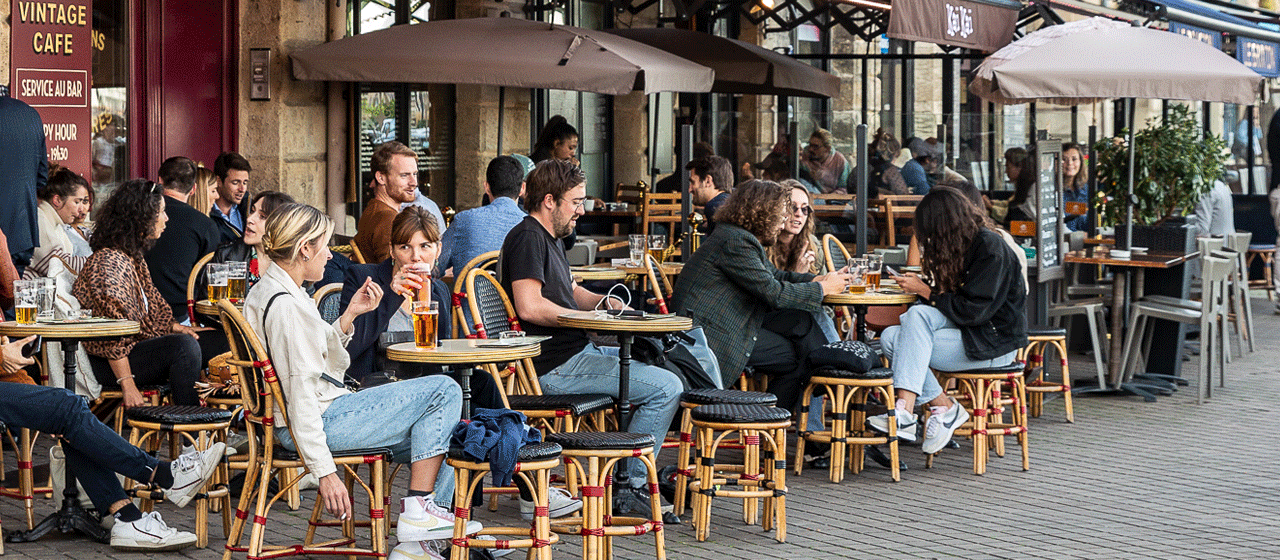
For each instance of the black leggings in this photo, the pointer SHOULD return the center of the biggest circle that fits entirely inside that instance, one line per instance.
(173, 359)
(782, 348)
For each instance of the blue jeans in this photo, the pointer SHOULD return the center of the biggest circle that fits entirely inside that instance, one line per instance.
(928, 339)
(655, 392)
(94, 452)
(413, 418)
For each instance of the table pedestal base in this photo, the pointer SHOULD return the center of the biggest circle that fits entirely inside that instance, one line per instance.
(70, 518)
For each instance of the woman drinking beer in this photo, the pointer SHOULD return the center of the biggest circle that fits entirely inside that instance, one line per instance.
(116, 283)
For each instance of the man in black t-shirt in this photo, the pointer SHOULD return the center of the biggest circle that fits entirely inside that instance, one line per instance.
(534, 271)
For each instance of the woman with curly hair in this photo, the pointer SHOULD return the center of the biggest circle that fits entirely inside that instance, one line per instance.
(115, 282)
(753, 313)
(971, 314)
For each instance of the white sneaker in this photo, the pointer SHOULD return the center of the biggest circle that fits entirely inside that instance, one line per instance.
(420, 550)
(229, 451)
(939, 428)
(149, 534)
(906, 424)
(191, 471)
(559, 504)
(422, 519)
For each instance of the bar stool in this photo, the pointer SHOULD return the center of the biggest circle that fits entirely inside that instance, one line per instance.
(26, 489)
(201, 427)
(589, 458)
(690, 400)
(1038, 340)
(1241, 311)
(848, 391)
(758, 426)
(533, 463)
(1267, 254)
(980, 394)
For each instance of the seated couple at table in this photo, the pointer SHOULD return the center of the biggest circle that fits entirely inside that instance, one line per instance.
(413, 418)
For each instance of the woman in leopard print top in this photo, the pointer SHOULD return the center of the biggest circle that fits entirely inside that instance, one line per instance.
(116, 283)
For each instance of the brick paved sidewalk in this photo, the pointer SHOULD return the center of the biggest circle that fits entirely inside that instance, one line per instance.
(1128, 479)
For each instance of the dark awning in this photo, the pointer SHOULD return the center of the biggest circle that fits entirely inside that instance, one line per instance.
(1256, 47)
(985, 25)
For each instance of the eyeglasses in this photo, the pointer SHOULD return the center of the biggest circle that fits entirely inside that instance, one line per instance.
(792, 209)
(154, 187)
(576, 205)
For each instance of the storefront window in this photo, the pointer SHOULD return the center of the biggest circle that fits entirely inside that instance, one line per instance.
(109, 100)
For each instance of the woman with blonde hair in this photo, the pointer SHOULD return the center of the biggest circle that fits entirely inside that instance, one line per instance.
(413, 418)
(205, 191)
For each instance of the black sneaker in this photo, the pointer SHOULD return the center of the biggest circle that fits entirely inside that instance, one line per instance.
(635, 502)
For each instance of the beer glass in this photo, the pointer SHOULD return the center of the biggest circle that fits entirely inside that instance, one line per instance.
(639, 244)
(236, 280)
(657, 246)
(858, 270)
(216, 274)
(423, 270)
(26, 300)
(874, 263)
(425, 314)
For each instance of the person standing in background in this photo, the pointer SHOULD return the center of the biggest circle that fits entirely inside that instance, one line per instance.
(24, 168)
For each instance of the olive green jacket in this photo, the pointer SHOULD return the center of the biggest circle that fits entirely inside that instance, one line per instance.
(728, 286)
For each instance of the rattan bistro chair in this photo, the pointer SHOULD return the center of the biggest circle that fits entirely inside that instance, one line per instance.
(263, 400)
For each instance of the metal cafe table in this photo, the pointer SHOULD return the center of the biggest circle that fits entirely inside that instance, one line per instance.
(861, 302)
(465, 353)
(69, 332)
(626, 329)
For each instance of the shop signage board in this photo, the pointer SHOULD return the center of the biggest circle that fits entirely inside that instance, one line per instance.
(985, 25)
(1261, 56)
(1206, 36)
(51, 56)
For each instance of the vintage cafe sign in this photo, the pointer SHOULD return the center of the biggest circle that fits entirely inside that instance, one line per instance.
(51, 53)
(984, 25)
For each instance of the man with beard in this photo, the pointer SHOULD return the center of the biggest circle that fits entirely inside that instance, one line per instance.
(231, 209)
(534, 271)
(395, 178)
(753, 313)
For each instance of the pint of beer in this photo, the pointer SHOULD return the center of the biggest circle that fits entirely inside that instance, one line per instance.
(423, 270)
(26, 295)
(236, 280)
(425, 315)
(216, 274)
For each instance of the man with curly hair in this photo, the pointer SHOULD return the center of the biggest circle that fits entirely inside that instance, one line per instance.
(753, 313)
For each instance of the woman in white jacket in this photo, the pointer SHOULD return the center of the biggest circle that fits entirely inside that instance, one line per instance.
(64, 200)
(413, 418)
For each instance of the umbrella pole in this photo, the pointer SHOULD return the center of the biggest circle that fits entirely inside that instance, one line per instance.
(502, 105)
(860, 136)
(1128, 235)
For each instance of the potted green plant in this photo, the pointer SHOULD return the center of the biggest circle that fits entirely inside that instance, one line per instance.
(1175, 163)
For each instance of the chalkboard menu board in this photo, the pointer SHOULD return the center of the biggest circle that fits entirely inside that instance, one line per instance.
(1049, 218)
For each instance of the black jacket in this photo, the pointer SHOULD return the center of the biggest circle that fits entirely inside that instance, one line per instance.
(187, 237)
(229, 233)
(363, 347)
(990, 304)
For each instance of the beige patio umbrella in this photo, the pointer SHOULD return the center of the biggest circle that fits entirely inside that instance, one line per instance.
(740, 67)
(1097, 58)
(502, 52)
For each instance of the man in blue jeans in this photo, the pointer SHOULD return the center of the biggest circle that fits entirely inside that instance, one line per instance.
(95, 453)
(534, 270)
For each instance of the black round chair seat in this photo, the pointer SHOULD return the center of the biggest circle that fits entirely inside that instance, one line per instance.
(740, 413)
(874, 373)
(282, 454)
(587, 441)
(175, 414)
(1014, 367)
(727, 396)
(1043, 330)
(531, 452)
(579, 405)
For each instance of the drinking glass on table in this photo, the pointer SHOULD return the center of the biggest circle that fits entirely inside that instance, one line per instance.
(48, 292)
(639, 244)
(26, 298)
(874, 263)
(216, 273)
(657, 246)
(858, 276)
(425, 314)
(237, 272)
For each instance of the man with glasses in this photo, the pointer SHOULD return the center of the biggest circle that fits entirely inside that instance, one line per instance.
(710, 179)
(534, 271)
